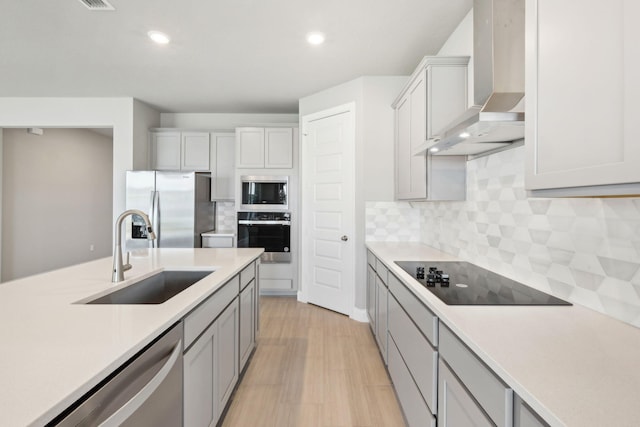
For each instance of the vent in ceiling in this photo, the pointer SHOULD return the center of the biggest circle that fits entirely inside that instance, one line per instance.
(97, 4)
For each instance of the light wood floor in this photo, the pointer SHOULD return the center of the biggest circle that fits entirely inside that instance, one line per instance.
(313, 367)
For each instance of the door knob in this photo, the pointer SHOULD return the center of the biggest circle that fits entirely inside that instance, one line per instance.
(344, 238)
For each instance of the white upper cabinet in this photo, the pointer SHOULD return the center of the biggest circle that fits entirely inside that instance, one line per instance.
(222, 163)
(264, 148)
(582, 91)
(278, 148)
(180, 151)
(195, 151)
(435, 95)
(250, 147)
(165, 151)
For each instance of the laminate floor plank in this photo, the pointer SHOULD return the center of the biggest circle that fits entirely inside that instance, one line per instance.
(313, 368)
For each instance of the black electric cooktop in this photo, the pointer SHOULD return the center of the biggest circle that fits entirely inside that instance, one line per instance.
(462, 283)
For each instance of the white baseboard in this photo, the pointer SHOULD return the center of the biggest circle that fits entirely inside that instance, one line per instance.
(360, 315)
(302, 297)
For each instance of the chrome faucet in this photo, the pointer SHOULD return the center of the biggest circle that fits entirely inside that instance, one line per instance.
(118, 267)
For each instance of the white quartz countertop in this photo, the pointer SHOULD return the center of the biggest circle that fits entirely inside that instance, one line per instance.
(54, 349)
(572, 365)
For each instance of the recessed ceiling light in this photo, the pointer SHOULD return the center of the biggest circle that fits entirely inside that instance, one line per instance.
(158, 37)
(465, 135)
(434, 149)
(315, 38)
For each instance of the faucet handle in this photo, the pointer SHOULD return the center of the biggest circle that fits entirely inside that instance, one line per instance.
(127, 266)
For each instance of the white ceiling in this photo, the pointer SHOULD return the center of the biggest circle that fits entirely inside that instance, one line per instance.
(232, 56)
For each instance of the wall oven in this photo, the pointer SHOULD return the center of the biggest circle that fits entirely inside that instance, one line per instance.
(268, 230)
(264, 193)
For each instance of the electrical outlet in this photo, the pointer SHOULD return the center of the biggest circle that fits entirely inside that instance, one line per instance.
(91, 248)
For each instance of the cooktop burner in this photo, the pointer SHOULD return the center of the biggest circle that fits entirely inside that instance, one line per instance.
(462, 283)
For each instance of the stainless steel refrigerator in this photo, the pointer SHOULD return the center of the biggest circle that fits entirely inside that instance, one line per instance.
(178, 204)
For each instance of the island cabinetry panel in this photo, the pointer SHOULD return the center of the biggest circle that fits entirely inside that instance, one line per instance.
(270, 148)
(211, 370)
(228, 353)
(219, 337)
(200, 391)
(435, 95)
(491, 394)
(222, 162)
(172, 150)
(248, 319)
(209, 310)
(580, 128)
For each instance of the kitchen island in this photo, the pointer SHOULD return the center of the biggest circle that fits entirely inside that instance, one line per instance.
(55, 348)
(571, 365)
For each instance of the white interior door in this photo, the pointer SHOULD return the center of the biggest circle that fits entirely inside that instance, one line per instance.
(328, 209)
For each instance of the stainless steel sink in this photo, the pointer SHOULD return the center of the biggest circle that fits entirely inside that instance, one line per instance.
(153, 290)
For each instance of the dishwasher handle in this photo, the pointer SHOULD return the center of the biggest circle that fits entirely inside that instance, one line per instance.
(126, 410)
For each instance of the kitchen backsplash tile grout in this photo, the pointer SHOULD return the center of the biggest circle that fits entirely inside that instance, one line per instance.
(584, 250)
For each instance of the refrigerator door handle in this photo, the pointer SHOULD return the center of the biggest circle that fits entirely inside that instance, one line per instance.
(152, 216)
(156, 219)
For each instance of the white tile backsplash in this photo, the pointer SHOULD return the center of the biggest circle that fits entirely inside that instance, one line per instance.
(392, 222)
(586, 250)
(225, 216)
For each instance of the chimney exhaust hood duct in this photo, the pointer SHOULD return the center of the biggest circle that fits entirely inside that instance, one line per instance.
(497, 118)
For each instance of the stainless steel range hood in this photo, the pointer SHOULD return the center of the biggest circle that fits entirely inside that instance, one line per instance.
(497, 118)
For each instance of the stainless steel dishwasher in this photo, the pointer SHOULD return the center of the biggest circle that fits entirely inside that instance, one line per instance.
(146, 391)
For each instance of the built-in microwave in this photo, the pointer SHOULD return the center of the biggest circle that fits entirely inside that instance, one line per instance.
(264, 193)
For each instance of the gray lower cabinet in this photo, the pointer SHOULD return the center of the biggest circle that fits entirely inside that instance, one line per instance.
(421, 316)
(371, 297)
(416, 411)
(412, 355)
(227, 353)
(381, 318)
(247, 322)
(219, 336)
(419, 356)
(491, 394)
(211, 370)
(437, 378)
(456, 407)
(200, 400)
(524, 416)
(377, 292)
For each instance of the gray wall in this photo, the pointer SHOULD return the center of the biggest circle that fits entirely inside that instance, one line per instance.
(127, 118)
(56, 199)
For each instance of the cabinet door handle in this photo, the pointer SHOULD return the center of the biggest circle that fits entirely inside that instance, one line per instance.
(344, 238)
